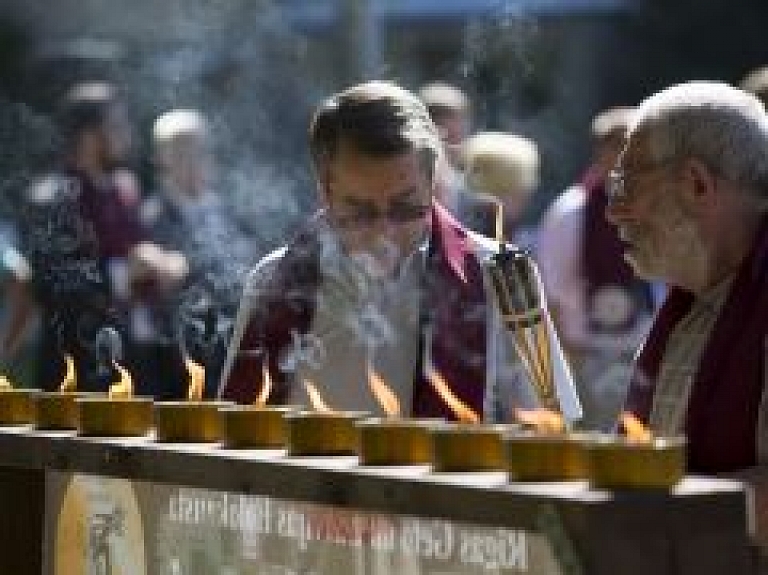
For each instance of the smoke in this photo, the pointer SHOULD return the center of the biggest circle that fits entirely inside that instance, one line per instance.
(305, 349)
(504, 60)
(28, 141)
(235, 60)
(108, 344)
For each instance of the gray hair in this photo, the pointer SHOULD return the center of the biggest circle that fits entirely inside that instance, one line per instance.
(179, 122)
(722, 126)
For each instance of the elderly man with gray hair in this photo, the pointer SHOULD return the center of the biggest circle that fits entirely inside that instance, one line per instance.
(689, 196)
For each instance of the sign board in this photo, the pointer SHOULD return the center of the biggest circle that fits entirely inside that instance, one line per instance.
(108, 526)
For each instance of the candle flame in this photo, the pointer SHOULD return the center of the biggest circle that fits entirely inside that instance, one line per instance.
(196, 380)
(124, 387)
(266, 387)
(541, 420)
(315, 398)
(634, 428)
(462, 411)
(5, 383)
(383, 393)
(69, 383)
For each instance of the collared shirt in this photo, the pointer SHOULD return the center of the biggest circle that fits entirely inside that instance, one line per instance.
(681, 360)
(362, 323)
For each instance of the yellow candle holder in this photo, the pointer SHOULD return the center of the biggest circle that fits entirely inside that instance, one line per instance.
(323, 432)
(58, 410)
(114, 416)
(17, 406)
(469, 446)
(258, 427)
(189, 421)
(532, 456)
(395, 441)
(616, 462)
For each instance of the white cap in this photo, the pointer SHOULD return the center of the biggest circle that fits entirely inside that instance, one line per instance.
(501, 164)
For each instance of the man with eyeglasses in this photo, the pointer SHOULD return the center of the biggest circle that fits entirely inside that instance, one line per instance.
(689, 197)
(603, 311)
(382, 280)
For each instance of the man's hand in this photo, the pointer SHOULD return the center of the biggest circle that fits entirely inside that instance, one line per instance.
(149, 262)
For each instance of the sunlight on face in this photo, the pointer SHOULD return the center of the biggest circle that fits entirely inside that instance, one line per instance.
(663, 241)
(379, 205)
(661, 238)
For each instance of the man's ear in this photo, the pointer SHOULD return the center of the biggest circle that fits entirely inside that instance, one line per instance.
(701, 179)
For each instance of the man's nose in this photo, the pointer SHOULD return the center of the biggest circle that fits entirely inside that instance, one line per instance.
(614, 212)
(383, 225)
(619, 208)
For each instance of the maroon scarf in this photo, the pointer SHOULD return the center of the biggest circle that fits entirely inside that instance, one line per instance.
(454, 301)
(722, 412)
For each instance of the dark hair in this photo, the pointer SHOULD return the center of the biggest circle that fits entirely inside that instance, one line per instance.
(376, 118)
(84, 107)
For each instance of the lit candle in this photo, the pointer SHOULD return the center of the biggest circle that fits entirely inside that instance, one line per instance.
(315, 399)
(124, 387)
(5, 384)
(634, 428)
(266, 386)
(69, 383)
(462, 411)
(383, 393)
(196, 380)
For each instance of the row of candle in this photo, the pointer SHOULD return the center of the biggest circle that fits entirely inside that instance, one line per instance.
(608, 461)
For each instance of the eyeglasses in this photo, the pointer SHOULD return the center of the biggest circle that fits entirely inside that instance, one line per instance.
(369, 215)
(616, 182)
(615, 185)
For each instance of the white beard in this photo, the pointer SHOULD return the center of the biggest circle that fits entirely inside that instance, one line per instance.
(679, 255)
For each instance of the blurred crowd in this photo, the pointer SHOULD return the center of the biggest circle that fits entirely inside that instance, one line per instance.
(106, 267)
(98, 268)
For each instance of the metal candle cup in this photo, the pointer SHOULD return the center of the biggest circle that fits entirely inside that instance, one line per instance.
(515, 284)
(323, 432)
(546, 457)
(253, 426)
(17, 406)
(58, 409)
(189, 421)
(395, 441)
(616, 462)
(114, 416)
(468, 446)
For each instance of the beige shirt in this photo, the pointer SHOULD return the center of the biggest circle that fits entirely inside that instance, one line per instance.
(681, 360)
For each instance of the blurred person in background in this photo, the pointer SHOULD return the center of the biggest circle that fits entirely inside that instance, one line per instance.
(85, 243)
(756, 82)
(17, 311)
(689, 198)
(381, 279)
(504, 168)
(185, 215)
(451, 111)
(601, 308)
